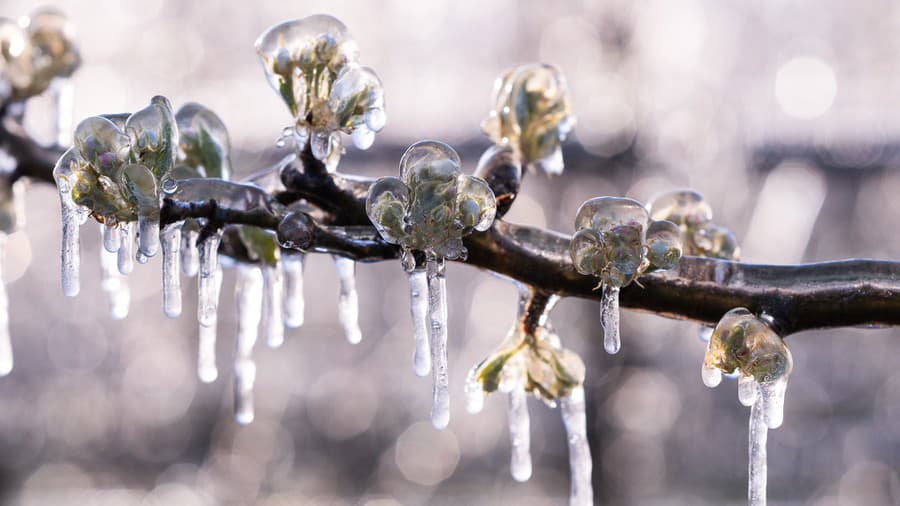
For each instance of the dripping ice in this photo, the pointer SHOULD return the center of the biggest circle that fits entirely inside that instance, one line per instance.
(294, 304)
(418, 308)
(207, 301)
(171, 247)
(273, 305)
(114, 283)
(580, 463)
(437, 313)
(348, 301)
(249, 309)
(519, 434)
(609, 318)
(206, 349)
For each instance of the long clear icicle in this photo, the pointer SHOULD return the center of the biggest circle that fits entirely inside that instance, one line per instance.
(580, 463)
(756, 492)
(126, 248)
(519, 434)
(437, 312)
(6, 352)
(348, 301)
(207, 301)
(609, 318)
(294, 303)
(111, 237)
(114, 283)
(190, 253)
(249, 309)
(71, 248)
(148, 235)
(171, 246)
(206, 349)
(418, 308)
(273, 305)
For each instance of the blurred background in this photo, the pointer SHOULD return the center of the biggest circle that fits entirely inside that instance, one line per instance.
(783, 114)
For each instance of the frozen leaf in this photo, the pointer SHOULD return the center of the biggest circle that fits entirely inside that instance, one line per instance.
(203, 141)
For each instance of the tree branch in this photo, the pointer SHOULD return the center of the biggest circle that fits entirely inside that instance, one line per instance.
(798, 297)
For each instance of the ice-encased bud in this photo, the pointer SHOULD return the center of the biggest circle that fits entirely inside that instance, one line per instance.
(203, 142)
(609, 242)
(432, 206)
(681, 207)
(154, 136)
(312, 64)
(742, 341)
(35, 51)
(663, 245)
(301, 55)
(715, 241)
(532, 114)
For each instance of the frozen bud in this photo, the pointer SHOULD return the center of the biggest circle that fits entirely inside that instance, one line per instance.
(154, 136)
(743, 342)
(663, 244)
(203, 142)
(296, 231)
(615, 250)
(36, 51)
(682, 207)
(715, 241)
(532, 114)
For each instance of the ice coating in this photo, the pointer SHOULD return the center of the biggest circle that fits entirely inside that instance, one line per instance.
(6, 352)
(171, 248)
(206, 346)
(294, 303)
(348, 299)
(207, 304)
(248, 294)
(519, 434)
(531, 112)
(273, 305)
(115, 284)
(580, 462)
(71, 221)
(693, 216)
(312, 64)
(41, 49)
(418, 308)
(437, 313)
(745, 344)
(111, 237)
(203, 142)
(432, 206)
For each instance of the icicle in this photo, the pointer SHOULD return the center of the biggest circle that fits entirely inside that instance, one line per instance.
(148, 235)
(519, 435)
(249, 309)
(474, 392)
(712, 376)
(580, 464)
(758, 473)
(126, 248)
(348, 303)
(273, 306)
(115, 284)
(71, 249)
(6, 353)
(171, 245)
(418, 308)
(704, 333)
(609, 318)
(747, 389)
(206, 354)
(64, 102)
(294, 305)
(111, 237)
(772, 397)
(190, 254)
(437, 311)
(208, 303)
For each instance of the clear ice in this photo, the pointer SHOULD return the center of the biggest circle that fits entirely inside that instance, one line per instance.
(348, 301)
(437, 312)
(580, 463)
(206, 348)
(171, 248)
(474, 392)
(114, 283)
(190, 251)
(72, 215)
(126, 248)
(207, 301)
(273, 305)
(519, 434)
(249, 294)
(756, 488)
(418, 308)
(294, 304)
(609, 319)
